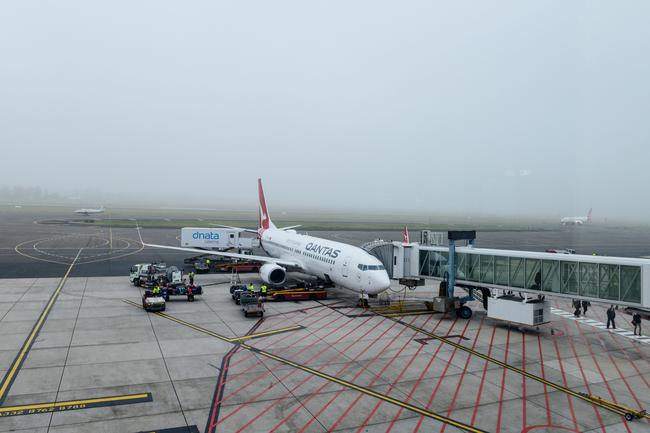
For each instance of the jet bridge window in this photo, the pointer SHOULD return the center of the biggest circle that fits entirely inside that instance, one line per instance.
(631, 284)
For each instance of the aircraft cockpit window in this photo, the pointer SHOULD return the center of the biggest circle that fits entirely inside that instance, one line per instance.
(371, 267)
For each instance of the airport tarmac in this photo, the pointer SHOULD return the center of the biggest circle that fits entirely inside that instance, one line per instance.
(104, 365)
(78, 354)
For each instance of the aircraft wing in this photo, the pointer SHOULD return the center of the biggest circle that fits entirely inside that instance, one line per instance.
(235, 228)
(264, 259)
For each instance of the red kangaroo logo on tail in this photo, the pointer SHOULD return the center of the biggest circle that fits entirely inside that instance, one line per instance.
(264, 213)
(406, 239)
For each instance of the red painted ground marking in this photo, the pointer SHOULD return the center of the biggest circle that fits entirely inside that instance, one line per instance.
(338, 393)
(632, 363)
(419, 379)
(255, 365)
(223, 373)
(627, 384)
(462, 376)
(220, 387)
(251, 355)
(480, 389)
(302, 404)
(503, 383)
(523, 378)
(546, 427)
(292, 372)
(269, 342)
(600, 371)
(541, 363)
(582, 372)
(378, 375)
(435, 390)
(333, 358)
(564, 381)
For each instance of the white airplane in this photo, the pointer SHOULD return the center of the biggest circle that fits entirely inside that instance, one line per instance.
(576, 220)
(89, 211)
(345, 265)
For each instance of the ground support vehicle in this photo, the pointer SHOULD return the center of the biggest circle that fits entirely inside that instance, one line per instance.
(301, 291)
(237, 292)
(201, 267)
(150, 302)
(241, 266)
(296, 294)
(143, 274)
(179, 291)
(251, 305)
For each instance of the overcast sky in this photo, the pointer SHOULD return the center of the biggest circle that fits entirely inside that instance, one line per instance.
(512, 107)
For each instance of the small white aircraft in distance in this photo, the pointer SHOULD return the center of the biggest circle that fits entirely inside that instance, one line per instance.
(345, 265)
(90, 211)
(576, 220)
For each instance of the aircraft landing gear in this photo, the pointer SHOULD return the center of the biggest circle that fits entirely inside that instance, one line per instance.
(464, 312)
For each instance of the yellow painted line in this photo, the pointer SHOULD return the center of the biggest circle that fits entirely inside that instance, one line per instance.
(69, 402)
(585, 397)
(326, 376)
(15, 367)
(367, 391)
(408, 313)
(214, 334)
(59, 406)
(266, 333)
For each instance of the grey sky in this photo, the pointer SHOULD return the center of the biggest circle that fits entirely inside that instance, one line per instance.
(519, 107)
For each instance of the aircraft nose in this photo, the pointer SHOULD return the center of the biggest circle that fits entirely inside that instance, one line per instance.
(380, 282)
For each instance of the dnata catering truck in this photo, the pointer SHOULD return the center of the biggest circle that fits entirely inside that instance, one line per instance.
(215, 238)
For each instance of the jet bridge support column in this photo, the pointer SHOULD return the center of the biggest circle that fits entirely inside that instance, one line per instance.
(462, 311)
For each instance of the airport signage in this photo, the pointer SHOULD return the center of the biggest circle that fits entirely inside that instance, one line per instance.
(210, 236)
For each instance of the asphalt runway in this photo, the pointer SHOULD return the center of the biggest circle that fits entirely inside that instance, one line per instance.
(31, 249)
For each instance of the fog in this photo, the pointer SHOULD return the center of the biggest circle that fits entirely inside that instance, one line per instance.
(498, 107)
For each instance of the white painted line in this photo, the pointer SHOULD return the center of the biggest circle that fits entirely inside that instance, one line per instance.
(618, 331)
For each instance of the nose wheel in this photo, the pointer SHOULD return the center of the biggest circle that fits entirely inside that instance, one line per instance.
(464, 312)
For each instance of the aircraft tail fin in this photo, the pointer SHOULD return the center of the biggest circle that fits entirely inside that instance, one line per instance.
(265, 219)
(589, 215)
(406, 238)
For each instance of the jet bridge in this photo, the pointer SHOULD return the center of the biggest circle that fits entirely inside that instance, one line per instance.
(616, 280)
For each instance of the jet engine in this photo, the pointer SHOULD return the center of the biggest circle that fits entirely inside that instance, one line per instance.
(273, 274)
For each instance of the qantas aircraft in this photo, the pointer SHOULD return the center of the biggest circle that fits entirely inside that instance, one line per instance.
(576, 220)
(345, 265)
(90, 211)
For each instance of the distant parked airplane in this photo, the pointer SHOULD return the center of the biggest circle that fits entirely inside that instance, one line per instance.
(576, 220)
(89, 211)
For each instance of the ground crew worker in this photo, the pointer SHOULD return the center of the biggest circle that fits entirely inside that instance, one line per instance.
(207, 262)
(191, 278)
(576, 306)
(251, 288)
(364, 300)
(190, 293)
(585, 306)
(156, 290)
(263, 289)
(611, 315)
(636, 321)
